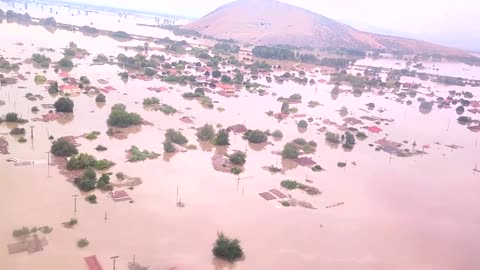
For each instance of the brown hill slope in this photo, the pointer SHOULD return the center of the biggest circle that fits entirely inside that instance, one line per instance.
(270, 22)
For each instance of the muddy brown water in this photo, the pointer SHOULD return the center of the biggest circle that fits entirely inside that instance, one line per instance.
(421, 212)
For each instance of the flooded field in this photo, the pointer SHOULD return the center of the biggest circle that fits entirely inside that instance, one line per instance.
(420, 212)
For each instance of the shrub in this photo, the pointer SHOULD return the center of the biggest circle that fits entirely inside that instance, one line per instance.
(332, 137)
(256, 136)
(277, 134)
(290, 151)
(302, 124)
(63, 148)
(17, 131)
(64, 104)
(175, 137)
(168, 147)
(82, 243)
(11, 117)
(35, 109)
(22, 140)
(238, 158)
(341, 164)
(205, 133)
(91, 199)
(222, 138)
(100, 98)
(227, 249)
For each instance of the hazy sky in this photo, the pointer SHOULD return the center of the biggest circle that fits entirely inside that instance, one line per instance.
(452, 21)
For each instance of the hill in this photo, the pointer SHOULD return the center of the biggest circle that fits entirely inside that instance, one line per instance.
(270, 22)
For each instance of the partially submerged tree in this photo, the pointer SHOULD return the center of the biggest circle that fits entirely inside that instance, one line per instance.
(290, 151)
(63, 148)
(222, 138)
(238, 158)
(227, 249)
(206, 133)
(64, 104)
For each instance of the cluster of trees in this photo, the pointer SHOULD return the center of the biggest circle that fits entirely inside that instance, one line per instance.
(207, 133)
(119, 117)
(134, 154)
(41, 60)
(83, 161)
(226, 47)
(121, 35)
(137, 62)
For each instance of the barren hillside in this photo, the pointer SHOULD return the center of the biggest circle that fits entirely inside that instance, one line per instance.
(270, 22)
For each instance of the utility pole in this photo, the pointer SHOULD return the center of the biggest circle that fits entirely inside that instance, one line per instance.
(31, 132)
(75, 203)
(114, 258)
(48, 163)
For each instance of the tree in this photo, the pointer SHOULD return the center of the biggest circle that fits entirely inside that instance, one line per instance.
(150, 72)
(88, 181)
(65, 63)
(168, 147)
(239, 77)
(63, 148)
(222, 138)
(226, 79)
(100, 98)
(285, 108)
(256, 136)
(151, 101)
(81, 161)
(332, 137)
(64, 104)
(121, 118)
(206, 133)
(119, 107)
(227, 249)
(175, 137)
(216, 74)
(53, 89)
(277, 134)
(349, 140)
(11, 117)
(238, 158)
(302, 124)
(290, 151)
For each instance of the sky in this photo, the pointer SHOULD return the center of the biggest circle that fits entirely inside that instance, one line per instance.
(454, 23)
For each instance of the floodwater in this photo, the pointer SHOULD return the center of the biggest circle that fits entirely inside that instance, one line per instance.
(419, 213)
